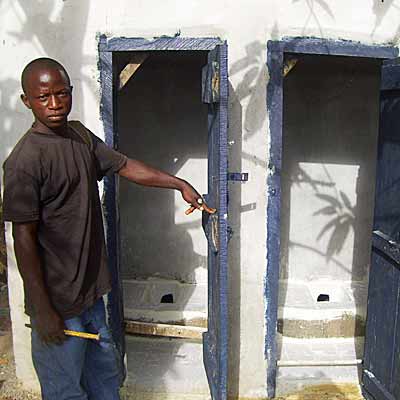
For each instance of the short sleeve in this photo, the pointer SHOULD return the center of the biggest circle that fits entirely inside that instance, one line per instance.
(108, 160)
(21, 198)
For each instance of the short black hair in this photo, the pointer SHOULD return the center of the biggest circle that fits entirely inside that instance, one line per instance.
(40, 63)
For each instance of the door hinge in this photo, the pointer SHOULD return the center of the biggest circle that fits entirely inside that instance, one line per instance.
(230, 233)
(238, 176)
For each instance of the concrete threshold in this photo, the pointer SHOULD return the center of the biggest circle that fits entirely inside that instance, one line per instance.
(305, 362)
(320, 350)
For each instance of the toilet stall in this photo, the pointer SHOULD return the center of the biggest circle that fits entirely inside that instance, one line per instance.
(165, 103)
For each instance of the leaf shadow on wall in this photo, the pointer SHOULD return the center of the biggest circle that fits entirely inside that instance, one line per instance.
(381, 9)
(313, 6)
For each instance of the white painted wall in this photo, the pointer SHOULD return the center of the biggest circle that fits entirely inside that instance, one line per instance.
(331, 122)
(67, 30)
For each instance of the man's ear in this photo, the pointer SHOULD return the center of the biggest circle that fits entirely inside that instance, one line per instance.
(25, 100)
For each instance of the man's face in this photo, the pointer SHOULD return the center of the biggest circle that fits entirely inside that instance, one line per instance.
(49, 95)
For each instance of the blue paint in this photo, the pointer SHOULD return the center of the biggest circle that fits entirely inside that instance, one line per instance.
(223, 224)
(366, 395)
(381, 366)
(161, 43)
(275, 58)
(275, 109)
(385, 245)
(391, 75)
(333, 48)
(238, 176)
(114, 304)
(215, 348)
(216, 338)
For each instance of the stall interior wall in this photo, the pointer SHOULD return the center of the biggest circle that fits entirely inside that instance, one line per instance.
(162, 121)
(331, 117)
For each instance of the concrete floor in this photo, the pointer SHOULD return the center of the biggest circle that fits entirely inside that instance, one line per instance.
(320, 392)
(10, 388)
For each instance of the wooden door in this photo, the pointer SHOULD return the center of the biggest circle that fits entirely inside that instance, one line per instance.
(381, 369)
(215, 340)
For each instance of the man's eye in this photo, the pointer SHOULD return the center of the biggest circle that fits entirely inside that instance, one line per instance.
(63, 94)
(42, 98)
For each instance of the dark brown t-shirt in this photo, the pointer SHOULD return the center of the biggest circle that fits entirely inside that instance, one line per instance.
(52, 179)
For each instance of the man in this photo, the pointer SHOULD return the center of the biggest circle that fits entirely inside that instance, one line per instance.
(51, 197)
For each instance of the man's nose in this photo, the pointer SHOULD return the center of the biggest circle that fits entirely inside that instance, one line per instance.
(54, 102)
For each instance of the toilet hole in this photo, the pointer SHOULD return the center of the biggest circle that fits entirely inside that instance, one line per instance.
(167, 298)
(323, 297)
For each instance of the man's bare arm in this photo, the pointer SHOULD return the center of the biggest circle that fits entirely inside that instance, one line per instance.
(49, 324)
(142, 174)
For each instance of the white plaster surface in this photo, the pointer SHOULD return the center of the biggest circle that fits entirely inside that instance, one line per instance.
(163, 122)
(296, 355)
(21, 334)
(309, 222)
(295, 352)
(328, 349)
(298, 299)
(67, 30)
(149, 367)
(331, 115)
(142, 301)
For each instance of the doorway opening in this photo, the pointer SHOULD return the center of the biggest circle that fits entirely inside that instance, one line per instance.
(160, 365)
(323, 99)
(163, 256)
(330, 136)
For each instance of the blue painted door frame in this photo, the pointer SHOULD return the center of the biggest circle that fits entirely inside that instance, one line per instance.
(215, 93)
(275, 58)
(215, 340)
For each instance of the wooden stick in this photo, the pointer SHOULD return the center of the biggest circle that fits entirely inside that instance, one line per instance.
(166, 330)
(129, 69)
(83, 335)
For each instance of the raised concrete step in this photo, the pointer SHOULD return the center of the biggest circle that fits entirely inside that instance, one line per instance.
(319, 350)
(322, 309)
(165, 301)
(306, 362)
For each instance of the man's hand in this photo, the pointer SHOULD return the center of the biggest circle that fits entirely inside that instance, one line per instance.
(47, 322)
(50, 327)
(142, 174)
(191, 196)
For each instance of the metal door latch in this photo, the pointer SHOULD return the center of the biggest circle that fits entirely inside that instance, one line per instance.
(238, 176)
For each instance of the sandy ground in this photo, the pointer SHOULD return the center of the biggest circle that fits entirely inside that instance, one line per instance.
(327, 392)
